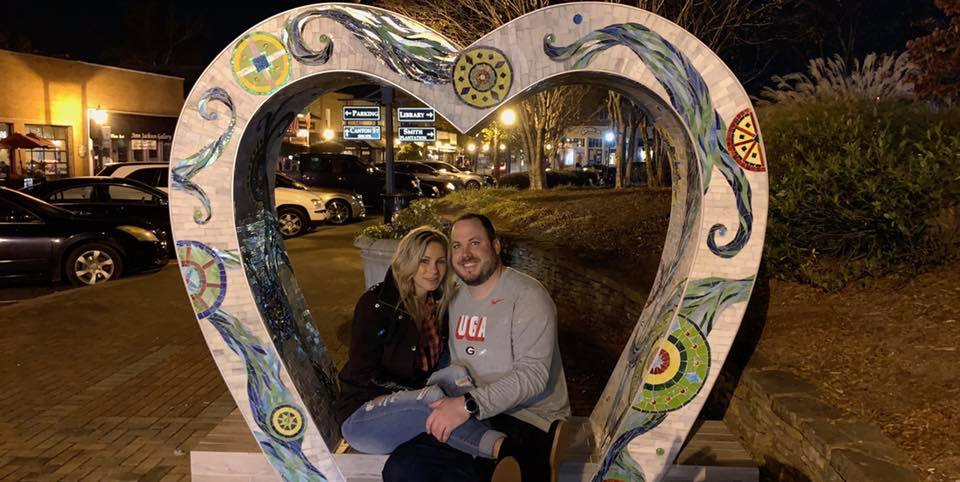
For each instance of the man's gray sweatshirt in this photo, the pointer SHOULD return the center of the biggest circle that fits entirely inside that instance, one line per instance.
(508, 343)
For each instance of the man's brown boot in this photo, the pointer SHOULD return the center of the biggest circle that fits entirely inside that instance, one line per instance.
(561, 441)
(508, 470)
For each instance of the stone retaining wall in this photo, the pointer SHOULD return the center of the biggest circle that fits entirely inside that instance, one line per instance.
(596, 315)
(799, 437)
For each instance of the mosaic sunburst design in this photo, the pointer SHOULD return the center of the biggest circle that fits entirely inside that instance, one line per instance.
(743, 142)
(260, 63)
(287, 422)
(482, 77)
(205, 276)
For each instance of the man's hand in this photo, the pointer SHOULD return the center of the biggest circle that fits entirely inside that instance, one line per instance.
(447, 415)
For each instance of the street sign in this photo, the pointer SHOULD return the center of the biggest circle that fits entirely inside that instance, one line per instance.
(361, 133)
(361, 112)
(416, 114)
(418, 134)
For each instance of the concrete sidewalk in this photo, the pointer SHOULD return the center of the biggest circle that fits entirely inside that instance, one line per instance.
(115, 382)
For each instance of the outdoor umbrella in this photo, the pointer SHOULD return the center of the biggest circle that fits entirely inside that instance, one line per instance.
(19, 141)
(46, 143)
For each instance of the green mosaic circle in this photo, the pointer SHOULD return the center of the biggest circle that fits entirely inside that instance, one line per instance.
(678, 369)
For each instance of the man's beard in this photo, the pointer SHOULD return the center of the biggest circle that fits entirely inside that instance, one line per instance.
(481, 277)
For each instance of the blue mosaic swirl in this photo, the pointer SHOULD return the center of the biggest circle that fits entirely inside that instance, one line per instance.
(407, 47)
(266, 392)
(292, 36)
(690, 96)
(185, 170)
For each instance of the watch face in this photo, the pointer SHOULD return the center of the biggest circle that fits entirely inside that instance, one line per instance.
(472, 406)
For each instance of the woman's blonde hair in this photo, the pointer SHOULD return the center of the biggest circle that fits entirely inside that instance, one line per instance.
(405, 263)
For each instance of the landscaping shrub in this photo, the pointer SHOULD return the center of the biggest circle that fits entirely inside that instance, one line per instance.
(521, 180)
(419, 213)
(856, 185)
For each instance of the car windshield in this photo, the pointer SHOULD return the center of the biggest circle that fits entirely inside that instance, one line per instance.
(284, 181)
(444, 165)
(34, 204)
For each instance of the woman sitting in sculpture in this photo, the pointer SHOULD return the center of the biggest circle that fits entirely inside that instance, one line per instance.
(397, 347)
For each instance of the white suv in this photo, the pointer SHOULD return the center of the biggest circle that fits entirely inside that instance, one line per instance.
(297, 210)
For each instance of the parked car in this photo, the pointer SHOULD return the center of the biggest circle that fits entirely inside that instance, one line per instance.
(150, 173)
(428, 176)
(343, 171)
(470, 180)
(108, 196)
(342, 206)
(297, 211)
(40, 241)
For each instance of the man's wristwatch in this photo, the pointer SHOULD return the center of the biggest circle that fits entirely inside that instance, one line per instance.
(470, 404)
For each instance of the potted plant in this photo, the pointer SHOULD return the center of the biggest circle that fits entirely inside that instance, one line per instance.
(378, 243)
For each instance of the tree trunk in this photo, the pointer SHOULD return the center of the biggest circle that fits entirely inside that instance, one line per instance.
(648, 156)
(632, 143)
(495, 156)
(615, 109)
(537, 166)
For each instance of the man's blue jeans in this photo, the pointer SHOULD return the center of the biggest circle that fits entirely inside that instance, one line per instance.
(382, 424)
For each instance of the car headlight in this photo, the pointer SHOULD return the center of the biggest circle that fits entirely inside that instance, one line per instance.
(435, 190)
(451, 187)
(358, 197)
(139, 233)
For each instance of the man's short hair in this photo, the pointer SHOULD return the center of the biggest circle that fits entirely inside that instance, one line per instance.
(485, 221)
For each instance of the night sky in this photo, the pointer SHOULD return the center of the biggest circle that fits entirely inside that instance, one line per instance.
(180, 38)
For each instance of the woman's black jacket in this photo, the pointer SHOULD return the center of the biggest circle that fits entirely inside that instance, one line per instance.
(384, 349)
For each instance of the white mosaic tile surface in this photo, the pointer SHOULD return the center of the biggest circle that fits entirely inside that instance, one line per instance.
(522, 42)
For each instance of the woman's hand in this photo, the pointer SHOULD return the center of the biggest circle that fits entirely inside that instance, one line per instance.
(448, 414)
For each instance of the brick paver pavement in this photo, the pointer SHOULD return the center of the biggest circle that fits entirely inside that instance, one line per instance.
(115, 382)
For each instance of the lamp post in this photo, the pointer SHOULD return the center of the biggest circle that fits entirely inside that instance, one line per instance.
(472, 150)
(99, 117)
(508, 117)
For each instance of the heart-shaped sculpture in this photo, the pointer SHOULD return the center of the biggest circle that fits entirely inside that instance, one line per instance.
(239, 279)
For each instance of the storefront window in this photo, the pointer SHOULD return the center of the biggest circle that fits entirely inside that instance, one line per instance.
(5, 154)
(49, 163)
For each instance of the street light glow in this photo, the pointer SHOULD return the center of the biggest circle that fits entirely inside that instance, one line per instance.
(486, 147)
(98, 115)
(508, 117)
(328, 134)
(471, 148)
(610, 136)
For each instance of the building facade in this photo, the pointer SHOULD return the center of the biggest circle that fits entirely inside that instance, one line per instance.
(93, 114)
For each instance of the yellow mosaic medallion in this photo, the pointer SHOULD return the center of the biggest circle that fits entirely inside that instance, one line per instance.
(287, 422)
(260, 63)
(482, 77)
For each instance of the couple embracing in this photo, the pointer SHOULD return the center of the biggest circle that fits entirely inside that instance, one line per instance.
(457, 383)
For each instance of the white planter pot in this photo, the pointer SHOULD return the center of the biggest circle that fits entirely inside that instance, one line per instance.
(376, 254)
